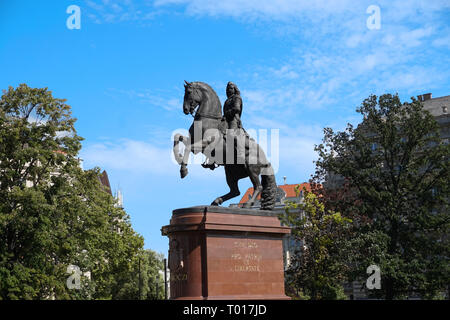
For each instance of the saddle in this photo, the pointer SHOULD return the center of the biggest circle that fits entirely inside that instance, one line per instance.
(223, 126)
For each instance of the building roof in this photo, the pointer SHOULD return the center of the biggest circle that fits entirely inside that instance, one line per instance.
(289, 189)
(436, 105)
(60, 152)
(104, 180)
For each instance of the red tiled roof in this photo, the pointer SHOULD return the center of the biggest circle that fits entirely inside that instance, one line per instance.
(288, 188)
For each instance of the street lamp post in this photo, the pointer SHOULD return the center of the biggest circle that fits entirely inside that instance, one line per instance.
(165, 279)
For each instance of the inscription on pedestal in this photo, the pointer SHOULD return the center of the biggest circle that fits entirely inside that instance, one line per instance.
(246, 256)
(179, 277)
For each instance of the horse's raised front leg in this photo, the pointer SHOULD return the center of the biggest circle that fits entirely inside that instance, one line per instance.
(182, 159)
(176, 148)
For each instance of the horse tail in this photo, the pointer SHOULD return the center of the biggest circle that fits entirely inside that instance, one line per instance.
(268, 192)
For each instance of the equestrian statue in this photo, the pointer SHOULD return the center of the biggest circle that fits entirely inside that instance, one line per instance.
(224, 142)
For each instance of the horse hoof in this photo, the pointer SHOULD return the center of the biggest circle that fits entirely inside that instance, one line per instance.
(183, 172)
(217, 202)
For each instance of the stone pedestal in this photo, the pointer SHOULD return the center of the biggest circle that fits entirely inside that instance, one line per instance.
(225, 253)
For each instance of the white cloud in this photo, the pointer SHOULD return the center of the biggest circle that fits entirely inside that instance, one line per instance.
(413, 80)
(129, 155)
(414, 38)
(265, 9)
(297, 155)
(298, 16)
(142, 158)
(285, 72)
(442, 42)
(113, 11)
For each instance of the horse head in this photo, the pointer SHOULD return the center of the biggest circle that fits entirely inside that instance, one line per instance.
(192, 97)
(201, 94)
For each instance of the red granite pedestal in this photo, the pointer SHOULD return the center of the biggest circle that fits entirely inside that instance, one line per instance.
(225, 253)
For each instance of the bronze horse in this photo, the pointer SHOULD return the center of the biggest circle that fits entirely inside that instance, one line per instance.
(208, 135)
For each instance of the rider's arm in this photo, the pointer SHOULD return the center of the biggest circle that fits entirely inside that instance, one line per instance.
(235, 107)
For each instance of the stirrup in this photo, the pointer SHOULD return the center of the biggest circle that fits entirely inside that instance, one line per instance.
(211, 166)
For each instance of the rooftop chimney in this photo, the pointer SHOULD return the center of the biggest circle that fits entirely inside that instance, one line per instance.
(426, 96)
(284, 179)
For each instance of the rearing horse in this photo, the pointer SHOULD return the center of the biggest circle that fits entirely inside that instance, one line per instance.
(208, 135)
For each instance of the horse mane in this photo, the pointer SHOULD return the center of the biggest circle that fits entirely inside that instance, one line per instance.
(207, 88)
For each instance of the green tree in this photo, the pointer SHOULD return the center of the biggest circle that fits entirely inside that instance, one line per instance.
(144, 282)
(318, 266)
(391, 176)
(52, 213)
(155, 280)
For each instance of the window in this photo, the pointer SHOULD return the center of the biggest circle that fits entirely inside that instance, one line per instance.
(434, 192)
(374, 146)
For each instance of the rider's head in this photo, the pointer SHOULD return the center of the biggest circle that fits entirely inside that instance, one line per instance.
(232, 89)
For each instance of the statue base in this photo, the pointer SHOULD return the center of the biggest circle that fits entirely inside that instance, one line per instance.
(225, 253)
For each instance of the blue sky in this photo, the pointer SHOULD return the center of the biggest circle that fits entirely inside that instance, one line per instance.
(300, 66)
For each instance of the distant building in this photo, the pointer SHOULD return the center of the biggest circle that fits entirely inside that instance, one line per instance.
(118, 196)
(104, 180)
(439, 109)
(285, 192)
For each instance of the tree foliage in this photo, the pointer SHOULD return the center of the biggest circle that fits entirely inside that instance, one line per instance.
(52, 213)
(144, 282)
(318, 267)
(390, 175)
